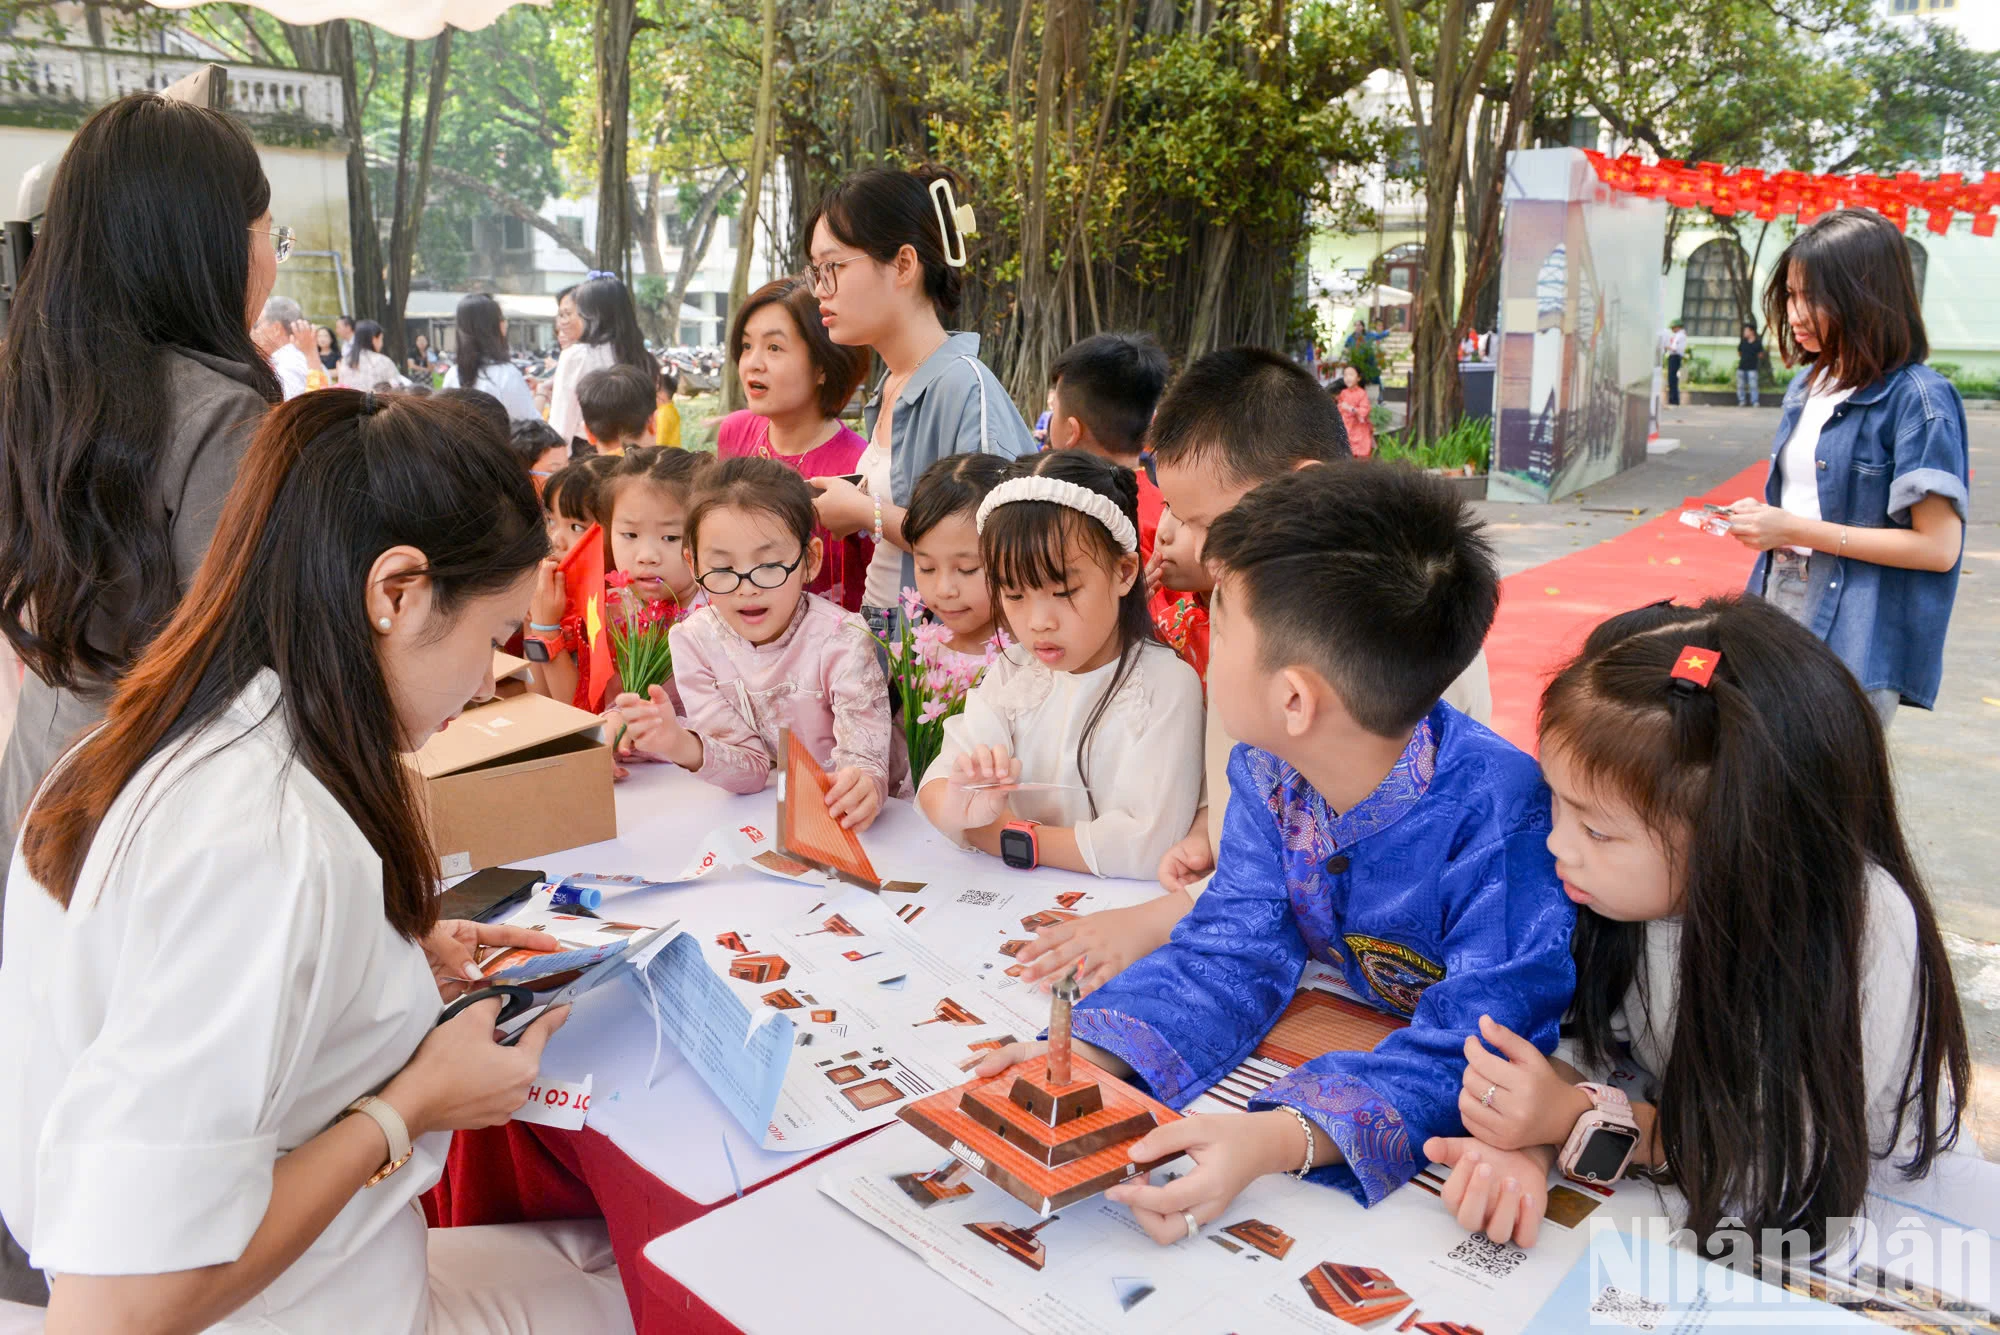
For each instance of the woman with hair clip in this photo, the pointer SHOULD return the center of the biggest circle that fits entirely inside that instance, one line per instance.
(607, 335)
(225, 1080)
(1863, 518)
(484, 359)
(887, 248)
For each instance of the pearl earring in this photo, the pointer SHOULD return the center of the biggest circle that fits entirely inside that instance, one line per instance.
(385, 624)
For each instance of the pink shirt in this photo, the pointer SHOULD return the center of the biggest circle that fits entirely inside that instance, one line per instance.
(845, 572)
(822, 679)
(1354, 414)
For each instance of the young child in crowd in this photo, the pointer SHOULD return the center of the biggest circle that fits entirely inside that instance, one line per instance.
(667, 416)
(1102, 390)
(642, 501)
(1180, 585)
(1356, 412)
(942, 528)
(1086, 697)
(1372, 828)
(765, 645)
(541, 451)
(1752, 925)
(617, 404)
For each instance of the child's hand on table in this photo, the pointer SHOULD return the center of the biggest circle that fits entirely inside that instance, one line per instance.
(1101, 945)
(1230, 1151)
(853, 799)
(1516, 1099)
(651, 726)
(1187, 861)
(1501, 1193)
(971, 810)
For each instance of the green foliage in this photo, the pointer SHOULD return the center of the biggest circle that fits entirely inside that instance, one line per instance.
(1970, 384)
(1469, 442)
(1931, 99)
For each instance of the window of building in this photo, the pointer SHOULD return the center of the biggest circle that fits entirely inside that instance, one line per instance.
(513, 233)
(677, 230)
(1708, 302)
(571, 226)
(1920, 263)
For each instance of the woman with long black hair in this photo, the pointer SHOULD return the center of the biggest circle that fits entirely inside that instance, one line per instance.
(156, 253)
(484, 359)
(223, 1075)
(366, 366)
(609, 336)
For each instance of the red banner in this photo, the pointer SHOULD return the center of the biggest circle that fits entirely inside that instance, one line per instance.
(1765, 195)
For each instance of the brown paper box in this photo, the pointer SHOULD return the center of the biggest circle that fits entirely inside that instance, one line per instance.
(516, 778)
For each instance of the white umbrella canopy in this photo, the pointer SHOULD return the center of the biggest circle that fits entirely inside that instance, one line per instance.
(414, 19)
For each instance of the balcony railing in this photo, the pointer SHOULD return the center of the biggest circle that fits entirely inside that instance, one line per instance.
(43, 73)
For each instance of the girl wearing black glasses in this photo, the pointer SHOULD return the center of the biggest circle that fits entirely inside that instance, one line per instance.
(764, 654)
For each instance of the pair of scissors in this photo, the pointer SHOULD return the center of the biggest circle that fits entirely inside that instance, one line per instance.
(517, 1001)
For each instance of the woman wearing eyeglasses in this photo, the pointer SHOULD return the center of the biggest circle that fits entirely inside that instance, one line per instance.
(608, 335)
(108, 498)
(887, 248)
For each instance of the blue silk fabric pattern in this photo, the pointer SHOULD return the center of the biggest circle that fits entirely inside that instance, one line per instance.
(1441, 905)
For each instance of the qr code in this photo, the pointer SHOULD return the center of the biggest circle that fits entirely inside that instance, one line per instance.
(1628, 1309)
(979, 899)
(1481, 1253)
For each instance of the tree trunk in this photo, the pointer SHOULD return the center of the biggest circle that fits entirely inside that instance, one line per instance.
(1480, 299)
(364, 240)
(696, 240)
(646, 224)
(753, 191)
(412, 186)
(616, 22)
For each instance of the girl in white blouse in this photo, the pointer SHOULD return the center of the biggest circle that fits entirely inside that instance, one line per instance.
(1086, 697)
(221, 1090)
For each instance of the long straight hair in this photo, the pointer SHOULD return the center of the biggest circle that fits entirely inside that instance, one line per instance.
(365, 334)
(1857, 280)
(1775, 782)
(1032, 544)
(145, 247)
(332, 480)
(605, 308)
(480, 342)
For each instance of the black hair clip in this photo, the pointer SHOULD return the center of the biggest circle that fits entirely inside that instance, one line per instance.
(370, 405)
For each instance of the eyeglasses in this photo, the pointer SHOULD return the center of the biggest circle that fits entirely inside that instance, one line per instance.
(826, 277)
(282, 240)
(770, 575)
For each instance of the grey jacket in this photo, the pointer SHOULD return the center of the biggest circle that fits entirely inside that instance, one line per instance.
(213, 407)
(952, 404)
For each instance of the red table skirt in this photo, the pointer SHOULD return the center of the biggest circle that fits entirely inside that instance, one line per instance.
(519, 1173)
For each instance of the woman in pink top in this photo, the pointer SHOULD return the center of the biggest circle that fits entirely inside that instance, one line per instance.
(1354, 413)
(797, 380)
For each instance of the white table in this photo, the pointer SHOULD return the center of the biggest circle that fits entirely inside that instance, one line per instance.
(676, 1130)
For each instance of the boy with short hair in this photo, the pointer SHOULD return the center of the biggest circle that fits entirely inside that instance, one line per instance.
(1234, 419)
(617, 405)
(1373, 828)
(1101, 395)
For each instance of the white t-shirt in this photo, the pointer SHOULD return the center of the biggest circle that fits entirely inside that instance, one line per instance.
(885, 568)
(577, 361)
(1645, 1019)
(504, 382)
(223, 984)
(1798, 461)
(1145, 756)
(292, 368)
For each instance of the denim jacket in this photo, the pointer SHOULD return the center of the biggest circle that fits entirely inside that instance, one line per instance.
(951, 404)
(1891, 444)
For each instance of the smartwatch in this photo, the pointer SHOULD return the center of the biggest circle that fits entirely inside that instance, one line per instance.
(1019, 848)
(1601, 1144)
(540, 648)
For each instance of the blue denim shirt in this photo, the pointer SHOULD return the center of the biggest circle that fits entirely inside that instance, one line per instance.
(951, 404)
(1890, 445)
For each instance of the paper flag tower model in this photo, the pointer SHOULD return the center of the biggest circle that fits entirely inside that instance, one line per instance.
(1047, 1133)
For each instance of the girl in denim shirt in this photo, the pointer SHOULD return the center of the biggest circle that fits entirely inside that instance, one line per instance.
(1863, 518)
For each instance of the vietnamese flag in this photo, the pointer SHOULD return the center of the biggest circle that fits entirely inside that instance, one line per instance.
(583, 584)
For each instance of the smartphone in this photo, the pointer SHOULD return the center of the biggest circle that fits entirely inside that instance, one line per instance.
(855, 478)
(488, 895)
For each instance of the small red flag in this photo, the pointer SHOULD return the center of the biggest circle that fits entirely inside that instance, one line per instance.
(583, 583)
(1695, 664)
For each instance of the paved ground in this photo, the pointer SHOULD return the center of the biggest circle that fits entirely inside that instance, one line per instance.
(1947, 761)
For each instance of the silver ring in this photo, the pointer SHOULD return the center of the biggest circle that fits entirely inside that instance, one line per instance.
(1194, 1225)
(1486, 1099)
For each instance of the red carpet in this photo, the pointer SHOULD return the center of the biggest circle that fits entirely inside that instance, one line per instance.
(1546, 612)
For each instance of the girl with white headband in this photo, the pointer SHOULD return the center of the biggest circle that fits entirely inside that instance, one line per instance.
(1086, 702)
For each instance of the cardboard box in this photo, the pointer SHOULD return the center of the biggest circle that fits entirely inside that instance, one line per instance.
(515, 778)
